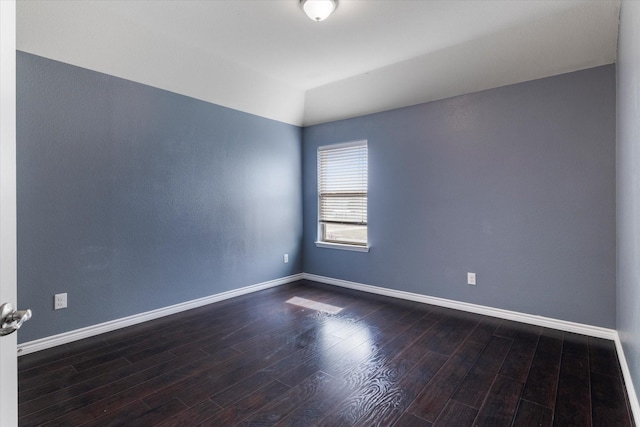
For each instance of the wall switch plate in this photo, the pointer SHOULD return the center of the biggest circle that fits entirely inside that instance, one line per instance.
(471, 279)
(59, 301)
(286, 258)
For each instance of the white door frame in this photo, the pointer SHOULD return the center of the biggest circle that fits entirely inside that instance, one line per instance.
(8, 257)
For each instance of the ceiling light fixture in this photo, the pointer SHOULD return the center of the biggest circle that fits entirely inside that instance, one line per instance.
(318, 10)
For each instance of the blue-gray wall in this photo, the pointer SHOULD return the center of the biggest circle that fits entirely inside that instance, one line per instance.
(131, 198)
(628, 169)
(516, 184)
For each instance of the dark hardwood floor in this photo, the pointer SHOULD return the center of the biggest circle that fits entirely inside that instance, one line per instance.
(256, 360)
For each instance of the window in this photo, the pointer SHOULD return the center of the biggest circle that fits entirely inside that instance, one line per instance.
(342, 195)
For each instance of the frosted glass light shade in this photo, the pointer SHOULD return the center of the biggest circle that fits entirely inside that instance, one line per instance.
(319, 10)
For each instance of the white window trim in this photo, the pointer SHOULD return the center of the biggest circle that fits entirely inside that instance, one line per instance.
(343, 246)
(340, 246)
(343, 145)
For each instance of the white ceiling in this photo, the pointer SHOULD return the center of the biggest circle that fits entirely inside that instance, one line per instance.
(267, 58)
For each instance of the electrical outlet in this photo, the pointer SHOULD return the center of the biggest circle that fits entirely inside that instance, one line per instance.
(471, 279)
(286, 258)
(59, 301)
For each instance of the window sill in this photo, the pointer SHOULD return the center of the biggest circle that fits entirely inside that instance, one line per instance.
(343, 247)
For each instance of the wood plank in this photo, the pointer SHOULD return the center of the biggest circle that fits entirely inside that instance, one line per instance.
(290, 401)
(408, 420)
(455, 414)
(314, 350)
(60, 353)
(542, 382)
(71, 377)
(485, 330)
(514, 330)
(134, 410)
(573, 404)
(603, 358)
(576, 344)
(193, 416)
(388, 410)
(370, 357)
(500, 406)
(110, 397)
(105, 383)
(201, 384)
(531, 414)
(325, 397)
(517, 363)
(249, 405)
(608, 400)
(338, 355)
(376, 391)
(150, 417)
(447, 335)
(437, 392)
(476, 384)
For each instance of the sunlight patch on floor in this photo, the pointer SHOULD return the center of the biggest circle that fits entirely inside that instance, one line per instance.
(314, 305)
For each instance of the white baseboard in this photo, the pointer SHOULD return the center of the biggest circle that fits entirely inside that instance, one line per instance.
(547, 322)
(563, 325)
(628, 381)
(89, 331)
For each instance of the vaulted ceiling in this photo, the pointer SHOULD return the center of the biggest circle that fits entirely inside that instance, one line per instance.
(267, 58)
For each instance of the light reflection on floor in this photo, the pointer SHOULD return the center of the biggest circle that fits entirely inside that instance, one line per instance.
(314, 305)
(355, 343)
(355, 347)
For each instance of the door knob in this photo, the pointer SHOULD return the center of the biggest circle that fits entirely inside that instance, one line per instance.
(11, 319)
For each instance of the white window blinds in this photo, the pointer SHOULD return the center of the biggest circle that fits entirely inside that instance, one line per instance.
(342, 183)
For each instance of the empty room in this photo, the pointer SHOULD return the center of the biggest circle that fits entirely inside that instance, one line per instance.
(320, 213)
